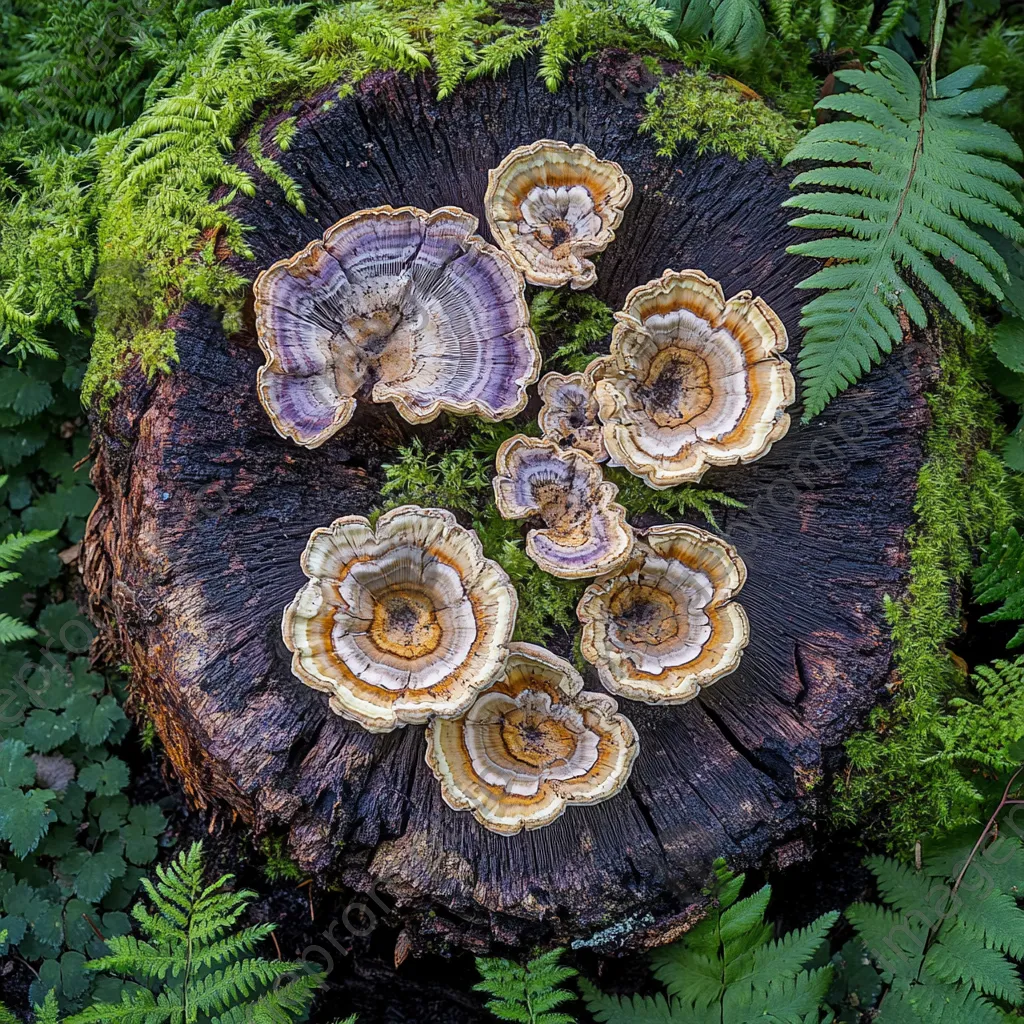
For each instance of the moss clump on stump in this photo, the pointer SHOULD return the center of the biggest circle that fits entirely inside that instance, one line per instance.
(896, 781)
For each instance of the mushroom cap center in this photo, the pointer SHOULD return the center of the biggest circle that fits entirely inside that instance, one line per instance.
(677, 387)
(405, 624)
(381, 338)
(643, 614)
(536, 739)
(558, 216)
(562, 506)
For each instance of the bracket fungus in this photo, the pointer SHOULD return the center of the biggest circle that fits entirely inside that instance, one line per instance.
(531, 744)
(692, 381)
(585, 531)
(569, 411)
(399, 305)
(549, 205)
(667, 625)
(402, 623)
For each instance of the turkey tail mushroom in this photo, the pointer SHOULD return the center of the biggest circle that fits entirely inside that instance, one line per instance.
(692, 381)
(549, 205)
(531, 745)
(396, 305)
(667, 624)
(585, 531)
(401, 623)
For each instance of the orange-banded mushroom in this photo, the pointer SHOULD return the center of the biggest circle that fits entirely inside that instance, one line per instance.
(401, 623)
(531, 744)
(667, 624)
(549, 205)
(585, 530)
(568, 414)
(692, 381)
(394, 305)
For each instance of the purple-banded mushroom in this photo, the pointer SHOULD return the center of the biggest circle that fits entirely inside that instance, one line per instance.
(530, 745)
(585, 531)
(667, 624)
(401, 623)
(400, 306)
(549, 205)
(569, 412)
(692, 381)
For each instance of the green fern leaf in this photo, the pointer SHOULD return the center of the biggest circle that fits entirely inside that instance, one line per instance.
(896, 943)
(728, 968)
(937, 1004)
(1000, 577)
(190, 948)
(996, 921)
(13, 630)
(742, 924)
(529, 993)
(900, 885)
(958, 957)
(794, 999)
(915, 173)
(629, 1010)
(783, 959)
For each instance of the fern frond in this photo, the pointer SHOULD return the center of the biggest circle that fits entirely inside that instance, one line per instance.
(786, 957)
(15, 545)
(526, 993)
(49, 1012)
(199, 960)
(915, 174)
(892, 17)
(727, 968)
(900, 885)
(13, 630)
(959, 957)
(938, 1004)
(128, 955)
(1000, 577)
(607, 1009)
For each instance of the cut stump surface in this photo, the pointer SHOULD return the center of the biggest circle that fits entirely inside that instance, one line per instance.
(193, 550)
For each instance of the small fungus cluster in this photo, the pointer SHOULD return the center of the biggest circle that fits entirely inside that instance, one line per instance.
(407, 622)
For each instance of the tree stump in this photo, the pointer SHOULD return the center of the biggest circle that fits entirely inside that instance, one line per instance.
(193, 550)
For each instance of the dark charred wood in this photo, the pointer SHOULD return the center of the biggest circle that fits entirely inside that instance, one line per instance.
(194, 550)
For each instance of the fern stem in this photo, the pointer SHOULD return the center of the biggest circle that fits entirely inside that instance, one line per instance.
(990, 825)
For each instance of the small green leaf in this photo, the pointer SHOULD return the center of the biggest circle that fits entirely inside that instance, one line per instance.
(95, 872)
(105, 777)
(94, 718)
(16, 767)
(46, 730)
(1008, 343)
(25, 817)
(74, 978)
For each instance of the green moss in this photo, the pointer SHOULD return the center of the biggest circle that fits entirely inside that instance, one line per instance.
(158, 228)
(897, 787)
(713, 112)
(285, 132)
(574, 322)
(675, 503)
(279, 867)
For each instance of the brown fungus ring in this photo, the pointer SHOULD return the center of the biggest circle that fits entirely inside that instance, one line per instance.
(532, 744)
(667, 625)
(399, 623)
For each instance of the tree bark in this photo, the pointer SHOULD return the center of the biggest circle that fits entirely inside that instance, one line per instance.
(193, 550)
